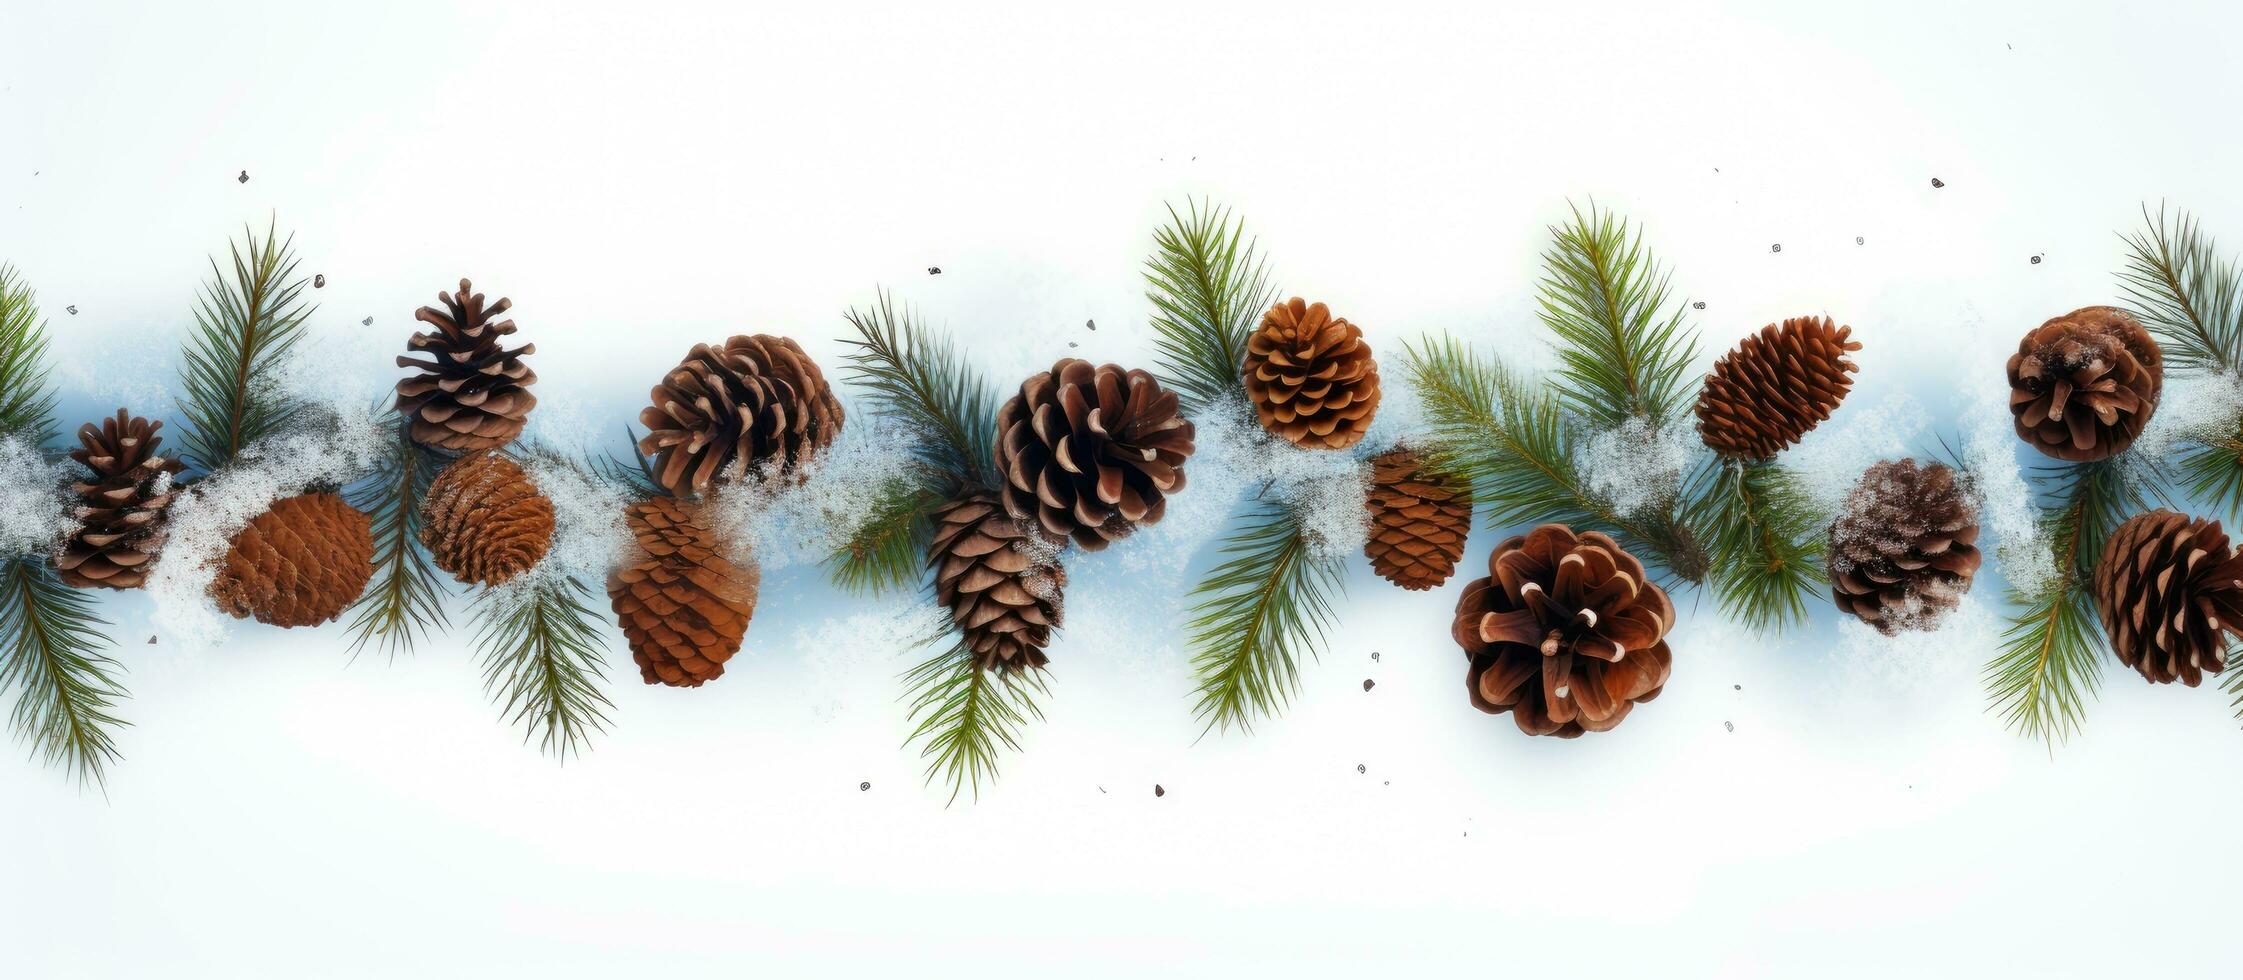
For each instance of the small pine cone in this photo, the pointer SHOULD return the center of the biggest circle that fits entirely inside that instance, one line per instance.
(754, 404)
(1565, 633)
(2170, 591)
(1091, 452)
(2084, 384)
(1775, 386)
(1419, 520)
(682, 605)
(121, 507)
(471, 393)
(1903, 551)
(1001, 583)
(300, 563)
(484, 520)
(1311, 377)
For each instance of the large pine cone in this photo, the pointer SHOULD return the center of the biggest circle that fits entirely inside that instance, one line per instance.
(484, 520)
(1565, 633)
(1903, 551)
(1419, 520)
(682, 605)
(300, 563)
(2084, 384)
(2170, 590)
(754, 404)
(1001, 584)
(1775, 386)
(1311, 377)
(472, 393)
(120, 507)
(1091, 452)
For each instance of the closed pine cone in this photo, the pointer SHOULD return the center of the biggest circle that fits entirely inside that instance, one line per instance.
(1001, 583)
(2083, 385)
(484, 520)
(1775, 386)
(121, 506)
(1311, 377)
(471, 393)
(682, 605)
(1565, 633)
(1904, 550)
(753, 404)
(300, 563)
(1091, 452)
(2171, 591)
(1419, 520)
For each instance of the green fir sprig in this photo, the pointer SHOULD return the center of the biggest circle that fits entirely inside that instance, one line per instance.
(1268, 599)
(250, 315)
(966, 717)
(27, 397)
(405, 601)
(1624, 349)
(1209, 287)
(1767, 541)
(544, 660)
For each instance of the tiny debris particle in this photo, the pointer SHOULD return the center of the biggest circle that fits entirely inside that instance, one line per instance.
(1729, 725)
(368, 322)
(319, 281)
(1073, 344)
(1092, 324)
(1368, 683)
(243, 179)
(151, 641)
(73, 308)
(1374, 656)
(1937, 183)
(1158, 791)
(1699, 305)
(1858, 241)
(1738, 686)
(1775, 248)
(2036, 260)
(934, 270)
(863, 786)
(1359, 768)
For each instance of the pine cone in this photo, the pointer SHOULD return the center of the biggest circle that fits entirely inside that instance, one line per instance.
(1311, 377)
(121, 508)
(2170, 589)
(1419, 520)
(1002, 584)
(484, 520)
(300, 563)
(1565, 633)
(472, 394)
(682, 605)
(2084, 384)
(1091, 452)
(1903, 551)
(757, 403)
(1775, 386)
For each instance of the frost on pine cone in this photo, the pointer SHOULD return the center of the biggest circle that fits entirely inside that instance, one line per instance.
(682, 605)
(1904, 550)
(1419, 520)
(484, 520)
(472, 393)
(2084, 384)
(1775, 386)
(728, 412)
(1565, 633)
(1091, 452)
(300, 563)
(121, 505)
(1311, 377)
(2171, 591)
(1001, 583)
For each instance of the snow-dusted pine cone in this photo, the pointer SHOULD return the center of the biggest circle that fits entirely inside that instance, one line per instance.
(300, 563)
(682, 605)
(1091, 452)
(1311, 377)
(1000, 582)
(1775, 386)
(2171, 593)
(1419, 520)
(2083, 385)
(121, 504)
(472, 393)
(732, 412)
(1903, 551)
(484, 520)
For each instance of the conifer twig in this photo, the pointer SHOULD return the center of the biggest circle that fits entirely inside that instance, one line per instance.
(1767, 542)
(966, 716)
(544, 661)
(404, 602)
(1208, 288)
(924, 384)
(1623, 356)
(1270, 596)
(27, 398)
(247, 320)
(50, 657)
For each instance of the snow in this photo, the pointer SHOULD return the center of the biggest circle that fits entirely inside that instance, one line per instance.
(1638, 466)
(2008, 518)
(790, 523)
(1830, 460)
(35, 503)
(2191, 408)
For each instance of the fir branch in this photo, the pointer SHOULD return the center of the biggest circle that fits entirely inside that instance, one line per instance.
(543, 659)
(2212, 471)
(50, 655)
(922, 382)
(1209, 288)
(2187, 297)
(888, 548)
(1767, 540)
(1270, 596)
(1602, 296)
(405, 600)
(245, 324)
(629, 472)
(27, 398)
(967, 716)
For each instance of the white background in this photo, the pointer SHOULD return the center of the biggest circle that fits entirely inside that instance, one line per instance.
(638, 177)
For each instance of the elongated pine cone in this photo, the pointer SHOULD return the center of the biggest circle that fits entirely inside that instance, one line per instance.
(1000, 582)
(472, 393)
(300, 563)
(1904, 549)
(1774, 386)
(484, 520)
(751, 406)
(1091, 452)
(683, 606)
(1419, 520)
(1311, 377)
(121, 504)
(1565, 633)
(2083, 385)
(2171, 592)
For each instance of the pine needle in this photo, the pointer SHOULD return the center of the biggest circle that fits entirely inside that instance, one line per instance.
(405, 601)
(1602, 296)
(27, 398)
(967, 717)
(889, 547)
(50, 656)
(245, 324)
(1767, 540)
(544, 661)
(2181, 290)
(1270, 596)
(1208, 288)
(922, 383)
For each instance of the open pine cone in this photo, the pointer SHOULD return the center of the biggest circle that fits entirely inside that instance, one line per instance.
(2171, 592)
(300, 563)
(1419, 520)
(484, 520)
(121, 505)
(757, 403)
(1311, 377)
(682, 605)
(1091, 452)
(1565, 633)
(1903, 551)
(2083, 385)
(1001, 584)
(471, 393)
(1775, 386)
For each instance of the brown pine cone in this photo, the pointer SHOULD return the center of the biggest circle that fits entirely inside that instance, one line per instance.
(1419, 520)
(682, 605)
(2171, 591)
(121, 507)
(1775, 386)
(471, 393)
(1001, 584)
(1311, 377)
(300, 563)
(484, 520)
(1091, 452)
(753, 405)
(1565, 633)
(2084, 384)
(1903, 551)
